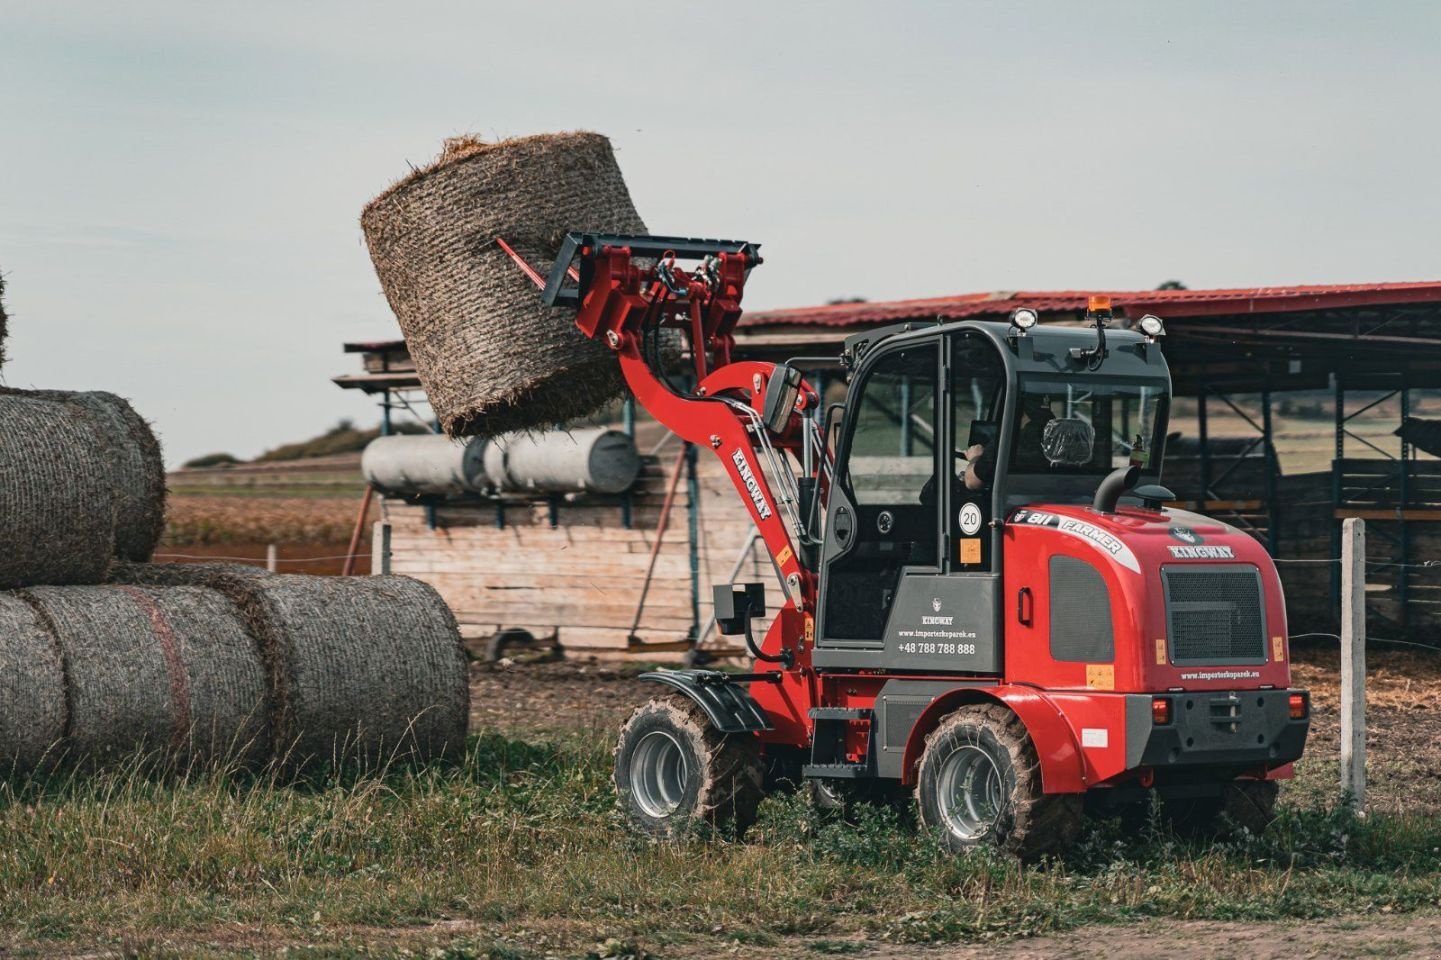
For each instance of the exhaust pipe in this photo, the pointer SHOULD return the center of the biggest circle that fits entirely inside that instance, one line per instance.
(1117, 482)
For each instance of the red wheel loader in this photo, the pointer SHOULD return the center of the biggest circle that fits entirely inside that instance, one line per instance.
(982, 598)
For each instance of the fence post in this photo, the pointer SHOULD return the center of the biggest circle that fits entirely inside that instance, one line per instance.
(1353, 662)
(272, 558)
(380, 548)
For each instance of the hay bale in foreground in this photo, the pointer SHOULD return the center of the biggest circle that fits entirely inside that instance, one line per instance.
(32, 689)
(170, 671)
(57, 514)
(81, 481)
(182, 574)
(491, 356)
(136, 469)
(361, 669)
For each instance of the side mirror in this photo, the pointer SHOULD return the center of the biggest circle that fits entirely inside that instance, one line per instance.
(780, 400)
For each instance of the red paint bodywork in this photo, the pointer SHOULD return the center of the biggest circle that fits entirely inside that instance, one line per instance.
(1060, 703)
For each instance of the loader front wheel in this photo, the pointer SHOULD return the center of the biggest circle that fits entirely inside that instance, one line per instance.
(674, 771)
(979, 782)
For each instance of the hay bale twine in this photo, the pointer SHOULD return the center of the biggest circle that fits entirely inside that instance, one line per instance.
(491, 356)
(32, 689)
(57, 515)
(169, 672)
(361, 669)
(137, 472)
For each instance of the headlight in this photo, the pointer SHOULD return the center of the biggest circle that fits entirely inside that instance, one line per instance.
(1024, 318)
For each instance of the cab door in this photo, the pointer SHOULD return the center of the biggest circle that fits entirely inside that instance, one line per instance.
(884, 513)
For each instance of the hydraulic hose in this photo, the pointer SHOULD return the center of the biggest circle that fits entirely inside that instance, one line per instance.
(784, 657)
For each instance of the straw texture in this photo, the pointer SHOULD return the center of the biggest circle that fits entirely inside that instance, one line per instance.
(57, 516)
(133, 464)
(491, 356)
(4, 321)
(361, 669)
(171, 672)
(32, 689)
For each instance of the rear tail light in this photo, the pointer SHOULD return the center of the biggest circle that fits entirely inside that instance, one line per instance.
(1297, 703)
(1160, 711)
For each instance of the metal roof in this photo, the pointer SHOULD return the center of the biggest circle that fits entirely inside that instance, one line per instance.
(1166, 303)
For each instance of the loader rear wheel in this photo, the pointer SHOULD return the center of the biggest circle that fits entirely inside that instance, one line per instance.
(979, 782)
(1245, 804)
(674, 771)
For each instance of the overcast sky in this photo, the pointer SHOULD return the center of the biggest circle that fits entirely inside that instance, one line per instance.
(180, 182)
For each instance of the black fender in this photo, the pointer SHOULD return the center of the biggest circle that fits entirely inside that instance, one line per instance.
(727, 704)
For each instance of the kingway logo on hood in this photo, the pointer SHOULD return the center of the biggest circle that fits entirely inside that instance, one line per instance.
(1080, 529)
(753, 487)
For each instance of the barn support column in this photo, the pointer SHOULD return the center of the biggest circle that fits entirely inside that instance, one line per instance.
(1273, 525)
(1201, 427)
(1336, 493)
(1403, 572)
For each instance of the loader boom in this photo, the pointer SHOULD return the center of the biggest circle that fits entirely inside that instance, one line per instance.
(631, 291)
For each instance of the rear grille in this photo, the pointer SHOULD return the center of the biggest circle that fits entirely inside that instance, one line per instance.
(1214, 614)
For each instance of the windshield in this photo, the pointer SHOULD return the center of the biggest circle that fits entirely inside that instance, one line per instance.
(1068, 427)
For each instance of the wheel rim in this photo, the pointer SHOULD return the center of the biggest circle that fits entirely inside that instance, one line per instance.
(970, 793)
(658, 773)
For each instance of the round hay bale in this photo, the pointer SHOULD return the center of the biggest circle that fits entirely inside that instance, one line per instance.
(171, 672)
(57, 514)
(137, 473)
(32, 689)
(181, 574)
(364, 670)
(491, 356)
(361, 669)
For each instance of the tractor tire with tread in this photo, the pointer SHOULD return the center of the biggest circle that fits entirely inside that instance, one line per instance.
(674, 771)
(989, 741)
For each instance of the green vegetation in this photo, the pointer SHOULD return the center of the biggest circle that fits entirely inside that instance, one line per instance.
(344, 437)
(210, 460)
(521, 843)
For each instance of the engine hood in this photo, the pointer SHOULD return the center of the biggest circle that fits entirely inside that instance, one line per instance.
(1166, 574)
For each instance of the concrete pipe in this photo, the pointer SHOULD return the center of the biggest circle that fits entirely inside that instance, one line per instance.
(579, 461)
(424, 465)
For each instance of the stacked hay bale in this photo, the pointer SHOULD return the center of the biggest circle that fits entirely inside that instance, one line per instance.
(491, 357)
(190, 664)
(170, 673)
(362, 670)
(32, 689)
(81, 481)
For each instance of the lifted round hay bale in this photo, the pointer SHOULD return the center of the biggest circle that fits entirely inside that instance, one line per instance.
(491, 356)
(361, 670)
(169, 672)
(32, 689)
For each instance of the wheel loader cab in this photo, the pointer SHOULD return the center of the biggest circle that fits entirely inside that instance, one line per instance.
(946, 431)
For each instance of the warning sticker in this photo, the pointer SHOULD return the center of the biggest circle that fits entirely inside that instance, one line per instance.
(1100, 676)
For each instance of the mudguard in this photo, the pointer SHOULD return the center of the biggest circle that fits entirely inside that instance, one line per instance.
(728, 705)
(1062, 765)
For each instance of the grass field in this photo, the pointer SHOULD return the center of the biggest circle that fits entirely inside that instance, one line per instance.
(517, 852)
